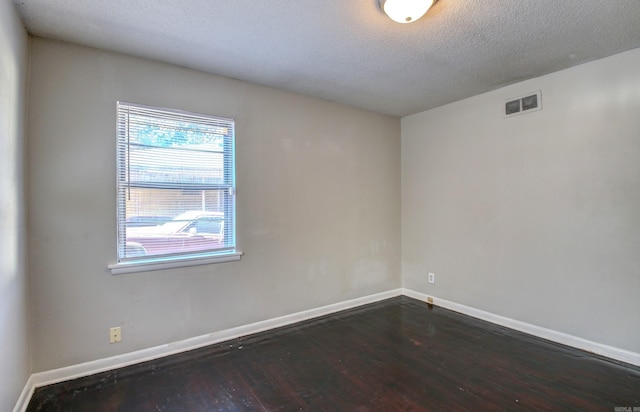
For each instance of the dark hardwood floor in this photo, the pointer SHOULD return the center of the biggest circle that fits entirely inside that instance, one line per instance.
(395, 355)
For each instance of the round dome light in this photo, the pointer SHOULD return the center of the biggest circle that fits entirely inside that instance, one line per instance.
(405, 11)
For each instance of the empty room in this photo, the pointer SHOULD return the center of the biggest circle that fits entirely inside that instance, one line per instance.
(370, 205)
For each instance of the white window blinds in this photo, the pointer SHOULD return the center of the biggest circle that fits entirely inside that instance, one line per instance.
(176, 184)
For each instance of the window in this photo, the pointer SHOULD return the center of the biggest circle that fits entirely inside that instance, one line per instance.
(176, 189)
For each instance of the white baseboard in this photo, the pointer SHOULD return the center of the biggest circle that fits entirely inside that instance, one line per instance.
(101, 365)
(40, 379)
(25, 396)
(623, 355)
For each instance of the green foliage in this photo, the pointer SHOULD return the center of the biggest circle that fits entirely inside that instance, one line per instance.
(175, 134)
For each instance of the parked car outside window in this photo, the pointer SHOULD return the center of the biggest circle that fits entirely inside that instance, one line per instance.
(191, 231)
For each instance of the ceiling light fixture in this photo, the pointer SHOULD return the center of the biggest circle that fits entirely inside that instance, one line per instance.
(405, 11)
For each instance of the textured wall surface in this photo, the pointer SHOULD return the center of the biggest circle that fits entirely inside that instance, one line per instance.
(534, 217)
(14, 355)
(318, 206)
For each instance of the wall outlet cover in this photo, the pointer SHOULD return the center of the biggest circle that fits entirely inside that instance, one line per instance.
(115, 334)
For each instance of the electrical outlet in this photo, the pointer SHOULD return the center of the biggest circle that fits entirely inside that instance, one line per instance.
(432, 277)
(115, 334)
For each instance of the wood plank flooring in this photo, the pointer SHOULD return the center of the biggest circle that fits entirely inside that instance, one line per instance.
(395, 355)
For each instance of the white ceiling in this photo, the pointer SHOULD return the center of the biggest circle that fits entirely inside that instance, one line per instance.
(348, 51)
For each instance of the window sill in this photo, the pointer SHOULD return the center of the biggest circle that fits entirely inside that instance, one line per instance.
(146, 266)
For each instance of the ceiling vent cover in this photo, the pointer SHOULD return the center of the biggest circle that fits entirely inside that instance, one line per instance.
(524, 104)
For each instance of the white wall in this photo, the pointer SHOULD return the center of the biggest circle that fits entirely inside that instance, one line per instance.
(318, 206)
(534, 217)
(14, 354)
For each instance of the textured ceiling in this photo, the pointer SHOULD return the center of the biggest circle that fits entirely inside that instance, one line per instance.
(349, 51)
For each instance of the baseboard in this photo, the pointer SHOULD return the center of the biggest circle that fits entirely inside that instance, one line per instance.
(40, 379)
(622, 355)
(25, 396)
(101, 365)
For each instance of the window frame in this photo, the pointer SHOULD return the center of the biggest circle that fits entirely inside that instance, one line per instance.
(123, 183)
